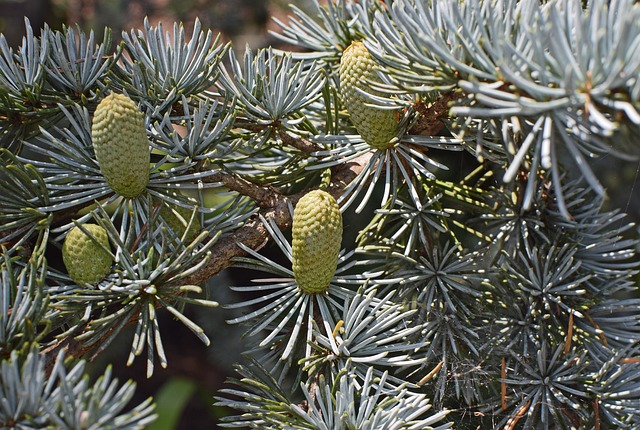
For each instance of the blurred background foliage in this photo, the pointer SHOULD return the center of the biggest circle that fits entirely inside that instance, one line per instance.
(243, 21)
(184, 390)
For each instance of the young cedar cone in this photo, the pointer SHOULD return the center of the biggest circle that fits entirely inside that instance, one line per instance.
(357, 70)
(85, 260)
(120, 142)
(317, 235)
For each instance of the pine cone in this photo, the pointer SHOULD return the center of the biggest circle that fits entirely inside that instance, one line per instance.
(317, 236)
(357, 69)
(85, 260)
(121, 146)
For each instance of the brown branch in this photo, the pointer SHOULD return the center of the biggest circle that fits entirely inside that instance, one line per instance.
(70, 346)
(264, 196)
(252, 234)
(429, 122)
(300, 143)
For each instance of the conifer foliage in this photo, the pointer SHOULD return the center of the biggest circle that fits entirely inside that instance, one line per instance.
(490, 284)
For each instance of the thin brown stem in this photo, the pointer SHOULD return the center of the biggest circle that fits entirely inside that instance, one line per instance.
(264, 196)
(300, 143)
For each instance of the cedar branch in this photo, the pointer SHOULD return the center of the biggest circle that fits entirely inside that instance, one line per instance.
(253, 234)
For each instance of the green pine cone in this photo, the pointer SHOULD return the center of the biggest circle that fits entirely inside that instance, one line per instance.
(317, 235)
(85, 260)
(357, 69)
(121, 146)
